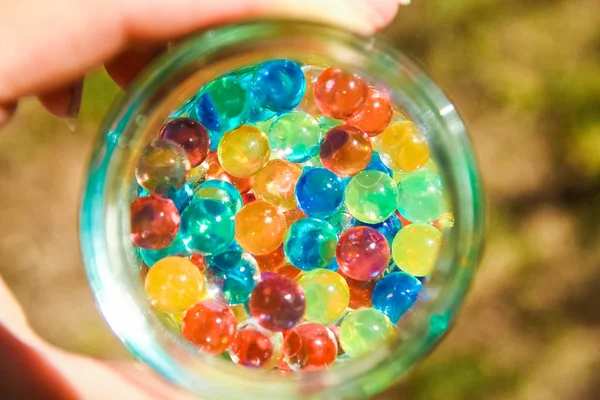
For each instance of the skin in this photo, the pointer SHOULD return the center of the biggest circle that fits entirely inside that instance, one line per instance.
(69, 38)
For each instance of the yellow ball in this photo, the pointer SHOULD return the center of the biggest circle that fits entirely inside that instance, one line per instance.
(415, 249)
(244, 151)
(174, 284)
(402, 147)
(327, 295)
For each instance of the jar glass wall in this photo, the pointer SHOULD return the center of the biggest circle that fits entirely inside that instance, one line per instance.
(110, 257)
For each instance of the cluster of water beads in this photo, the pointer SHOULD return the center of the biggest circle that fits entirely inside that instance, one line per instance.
(287, 216)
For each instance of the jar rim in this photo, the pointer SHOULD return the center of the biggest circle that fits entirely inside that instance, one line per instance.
(102, 225)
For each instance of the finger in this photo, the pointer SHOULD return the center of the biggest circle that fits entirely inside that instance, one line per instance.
(6, 111)
(65, 101)
(87, 32)
(127, 65)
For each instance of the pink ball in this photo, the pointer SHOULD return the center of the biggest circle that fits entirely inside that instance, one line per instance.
(362, 253)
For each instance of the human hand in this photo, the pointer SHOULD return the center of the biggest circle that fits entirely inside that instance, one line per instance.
(45, 50)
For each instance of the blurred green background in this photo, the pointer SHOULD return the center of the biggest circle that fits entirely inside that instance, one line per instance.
(526, 76)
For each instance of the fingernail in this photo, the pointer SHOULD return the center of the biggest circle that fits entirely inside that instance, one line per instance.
(383, 11)
(74, 106)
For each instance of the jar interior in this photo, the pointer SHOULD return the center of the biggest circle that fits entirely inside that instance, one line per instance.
(173, 80)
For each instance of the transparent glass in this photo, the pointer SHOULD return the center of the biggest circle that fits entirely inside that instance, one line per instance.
(110, 257)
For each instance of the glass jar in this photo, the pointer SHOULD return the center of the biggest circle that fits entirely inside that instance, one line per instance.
(110, 257)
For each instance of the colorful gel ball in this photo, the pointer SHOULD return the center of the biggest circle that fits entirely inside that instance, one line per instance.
(176, 248)
(154, 222)
(181, 197)
(278, 85)
(362, 253)
(244, 151)
(277, 303)
(226, 259)
(276, 183)
(260, 227)
(364, 331)
(421, 197)
(402, 147)
(340, 94)
(319, 192)
(415, 249)
(310, 347)
(295, 136)
(395, 294)
(310, 243)
(234, 284)
(374, 115)
(327, 295)
(190, 135)
(256, 347)
(371, 197)
(162, 167)
(207, 226)
(174, 284)
(377, 165)
(388, 228)
(220, 191)
(257, 112)
(214, 171)
(308, 103)
(361, 292)
(209, 325)
(345, 151)
(222, 105)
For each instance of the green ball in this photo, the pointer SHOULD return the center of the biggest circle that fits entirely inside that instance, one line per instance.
(365, 330)
(295, 137)
(371, 196)
(421, 197)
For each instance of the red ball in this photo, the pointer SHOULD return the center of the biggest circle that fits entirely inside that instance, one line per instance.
(362, 253)
(209, 325)
(361, 292)
(339, 94)
(251, 348)
(277, 303)
(310, 347)
(154, 222)
(336, 332)
(191, 136)
(374, 115)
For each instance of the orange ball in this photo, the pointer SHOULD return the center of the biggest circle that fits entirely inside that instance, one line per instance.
(339, 94)
(345, 151)
(374, 115)
(260, 227)
(276, 183)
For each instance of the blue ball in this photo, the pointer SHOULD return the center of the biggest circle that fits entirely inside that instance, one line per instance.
(181, 197)
(207, 226)
(221, 105)
(226, 259)
(235, 284)
(221, 191)
(310, 244)
(177, 248)
(377, 165)
(257, 112)
(278, 85)
(319, 192)
(388, 228)
(395, 294)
